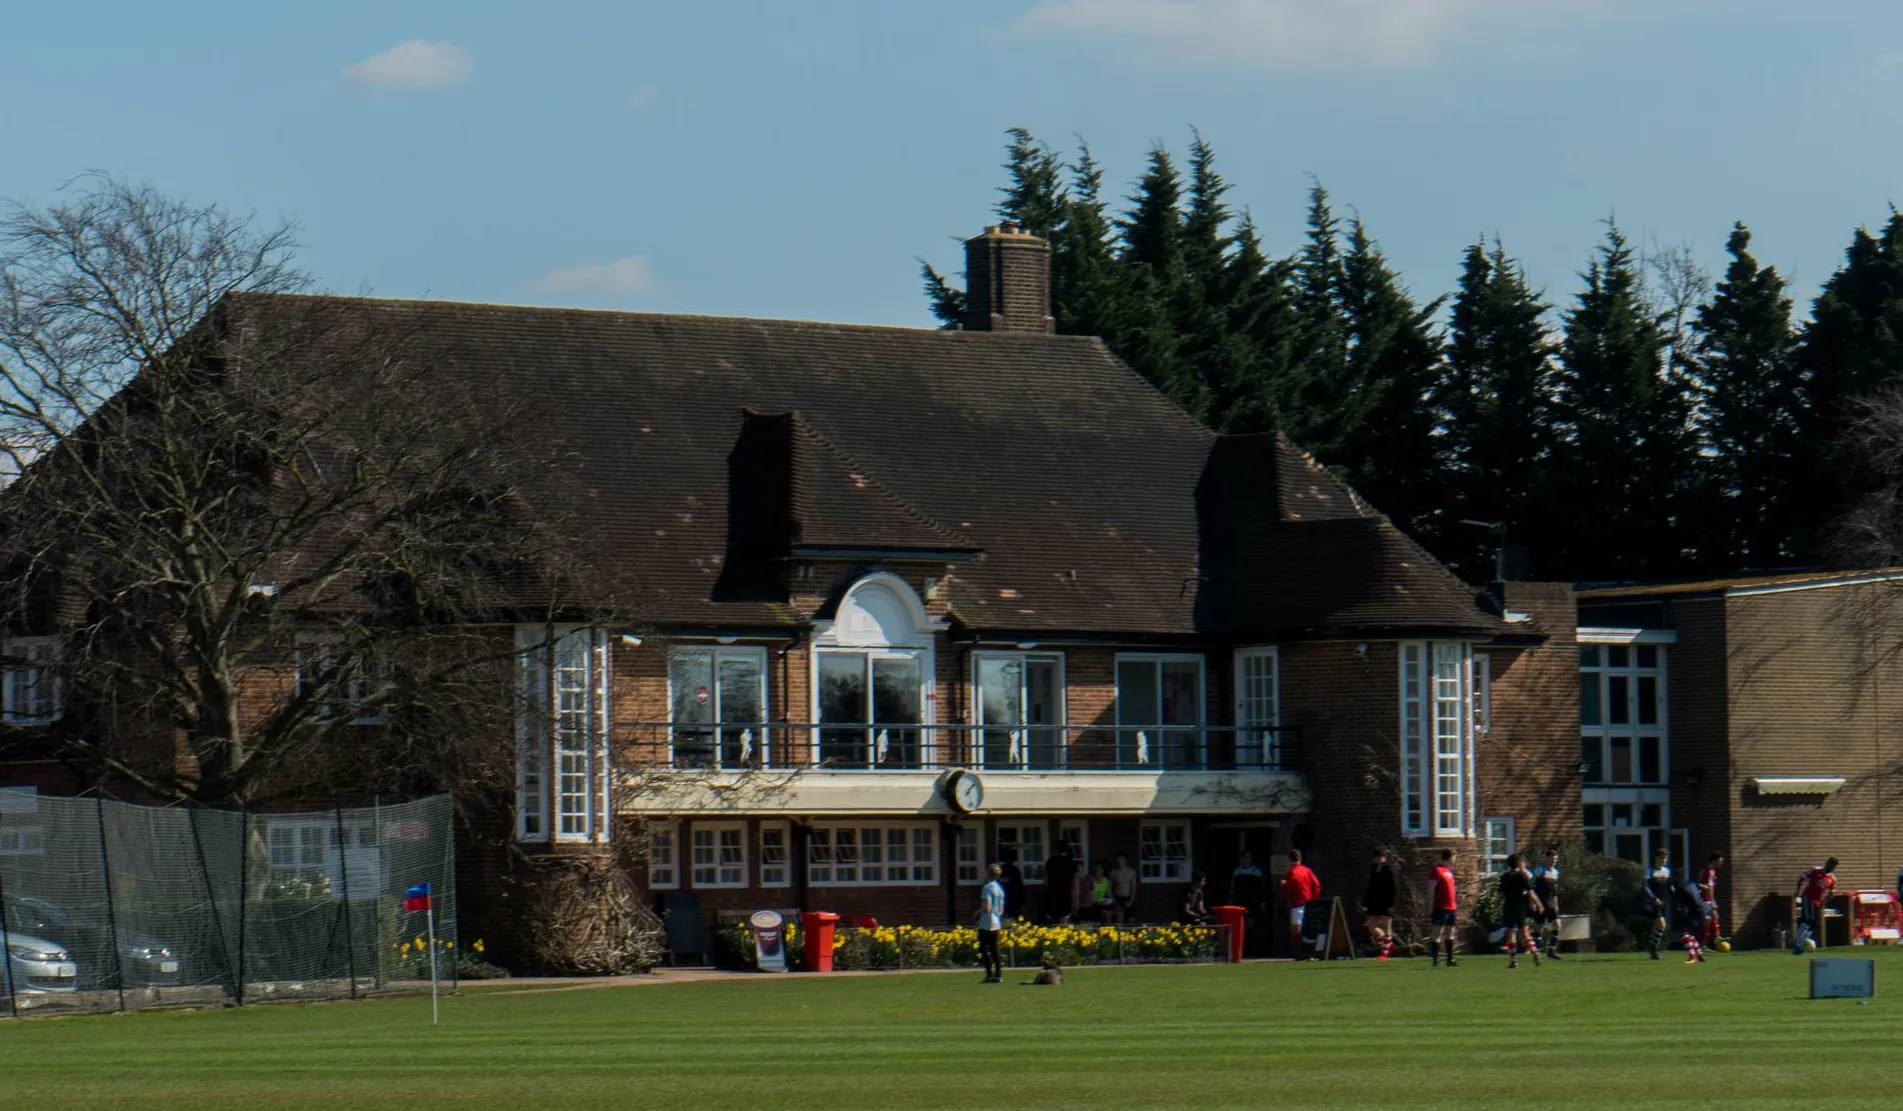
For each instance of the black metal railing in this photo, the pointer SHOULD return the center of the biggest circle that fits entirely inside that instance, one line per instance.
(915, 746)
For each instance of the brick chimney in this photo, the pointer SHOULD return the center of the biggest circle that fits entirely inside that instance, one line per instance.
(1008, 282)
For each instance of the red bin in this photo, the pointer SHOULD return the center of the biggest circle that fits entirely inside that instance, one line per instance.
(818, 927)
(1235, 918)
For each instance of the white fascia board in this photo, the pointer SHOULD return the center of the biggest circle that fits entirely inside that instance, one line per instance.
(916, 794)
(1797, 784)
(1599, 634)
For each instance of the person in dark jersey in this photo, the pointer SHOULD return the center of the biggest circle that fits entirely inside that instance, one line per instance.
(1377, 906)
(1546, 890)
(1655, 899)
(1517, 903)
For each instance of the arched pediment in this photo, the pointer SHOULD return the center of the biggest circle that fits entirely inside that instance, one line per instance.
(880, 610)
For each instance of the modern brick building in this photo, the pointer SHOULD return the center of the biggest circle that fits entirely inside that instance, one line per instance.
(909, 601)
(1754, 716)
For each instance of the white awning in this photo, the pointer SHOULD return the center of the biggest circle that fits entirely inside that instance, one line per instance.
(1797, 784)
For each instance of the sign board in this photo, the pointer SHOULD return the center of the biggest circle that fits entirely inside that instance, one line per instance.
(1842, 978)
(769, 940)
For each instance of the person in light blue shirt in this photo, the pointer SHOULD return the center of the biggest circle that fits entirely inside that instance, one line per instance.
(990, 921)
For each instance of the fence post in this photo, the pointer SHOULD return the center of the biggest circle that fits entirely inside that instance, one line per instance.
(343, 875)
(244, 896)
(383, 881)
(112, 916)
(449, 883)
(211, 896)
(6, 952)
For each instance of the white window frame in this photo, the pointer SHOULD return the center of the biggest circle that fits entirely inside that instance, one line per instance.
(1436, 738)
(1499, 840)
(1039, 843)
(353, 866)
(1163, 868)
(1483, 692)
(351, 689)
(778, 874)
(664, 856)
(756, 744)
(1146, 746)
(1267, 749)
(896, 845)
(1021, 730)
(1075, 832)
(724, 864)
(25, 701)
(1631, 729)
(879, 616)
(923, 657)
(563, 772)
(969, 859)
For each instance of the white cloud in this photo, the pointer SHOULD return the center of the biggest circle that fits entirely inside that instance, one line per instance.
(622, 276)
(1301, 35)
(416, 64)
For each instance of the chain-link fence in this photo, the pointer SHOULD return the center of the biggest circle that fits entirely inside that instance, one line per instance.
(106, 905)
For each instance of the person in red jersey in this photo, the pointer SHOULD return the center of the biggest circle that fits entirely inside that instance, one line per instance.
(1446, 908)
(1818, 883)
(1708, 894)
(1300, 886)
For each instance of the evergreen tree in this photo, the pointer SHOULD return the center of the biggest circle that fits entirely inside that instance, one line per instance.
(1627, 452)
(1499, 403)
(1749, 415)
(1151, 259)
(1318, 402)
(1087, 293)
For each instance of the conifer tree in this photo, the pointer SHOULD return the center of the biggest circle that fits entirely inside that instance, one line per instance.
(1318, 403)
(1627, 451)
(1499, 402)
(1151, 259)
(1749, 415)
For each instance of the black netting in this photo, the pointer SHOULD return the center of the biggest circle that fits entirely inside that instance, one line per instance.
(106, 905)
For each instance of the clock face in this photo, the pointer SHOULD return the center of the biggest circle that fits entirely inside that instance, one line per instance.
(968, 793)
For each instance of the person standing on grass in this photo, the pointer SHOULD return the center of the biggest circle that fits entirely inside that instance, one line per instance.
(1546, 891)
(1300, 886)
(1123, 889)
(1377, 906)
(1446, 908)
(1655, 899)
(990, 921)
(1691, 908)
(1815, 891)
(1708, 896)
(1517, 902)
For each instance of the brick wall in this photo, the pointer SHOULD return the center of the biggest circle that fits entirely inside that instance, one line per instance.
(1528, 762)
(1698, 715)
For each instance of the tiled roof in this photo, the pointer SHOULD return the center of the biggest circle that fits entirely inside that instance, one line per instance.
(1079, 498)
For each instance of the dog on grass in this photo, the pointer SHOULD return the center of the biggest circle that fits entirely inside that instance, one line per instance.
(1049, 976)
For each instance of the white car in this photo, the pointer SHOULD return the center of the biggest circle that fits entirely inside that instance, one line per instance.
(35, 966)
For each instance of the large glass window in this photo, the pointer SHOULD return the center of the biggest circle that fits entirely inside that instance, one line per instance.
(1258, 708)
(1020, 705)
(872, 854)
(1622, 715)
(1159, 711)
(562, 776)
(871, 705)
(1436, 743)
(719, 707)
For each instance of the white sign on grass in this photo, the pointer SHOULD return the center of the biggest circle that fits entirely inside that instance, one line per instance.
(1842, 978)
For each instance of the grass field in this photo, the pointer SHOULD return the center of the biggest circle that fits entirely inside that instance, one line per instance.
(1612, 1031)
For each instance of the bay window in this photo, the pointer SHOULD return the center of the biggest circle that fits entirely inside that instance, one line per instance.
(562, 773)
(1020, 707)
(1436, 738)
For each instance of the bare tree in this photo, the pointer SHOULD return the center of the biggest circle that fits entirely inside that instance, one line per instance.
(283, 540)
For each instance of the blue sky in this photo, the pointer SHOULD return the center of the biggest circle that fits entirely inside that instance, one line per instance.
(792, 159)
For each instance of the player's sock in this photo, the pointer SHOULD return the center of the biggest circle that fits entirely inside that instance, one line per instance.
(1658, 935)
(1694, 952)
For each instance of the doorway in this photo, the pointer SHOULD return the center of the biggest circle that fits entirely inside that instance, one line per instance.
(1224, 845)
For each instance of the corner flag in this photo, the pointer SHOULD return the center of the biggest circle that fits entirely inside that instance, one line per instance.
(416, 898)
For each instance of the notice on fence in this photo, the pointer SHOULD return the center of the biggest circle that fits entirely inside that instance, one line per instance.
(1842, 978)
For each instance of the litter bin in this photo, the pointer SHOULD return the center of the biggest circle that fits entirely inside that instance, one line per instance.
(1236, 918)
(818, 926)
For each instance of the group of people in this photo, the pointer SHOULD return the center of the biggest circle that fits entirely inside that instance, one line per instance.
(1071, 893)
(1248, 888)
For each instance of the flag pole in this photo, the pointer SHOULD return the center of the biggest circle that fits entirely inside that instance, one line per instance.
(435, 1014)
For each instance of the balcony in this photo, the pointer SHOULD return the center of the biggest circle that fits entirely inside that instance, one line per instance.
(912, 747)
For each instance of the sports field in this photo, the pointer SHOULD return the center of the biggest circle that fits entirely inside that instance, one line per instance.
(1611, 1031)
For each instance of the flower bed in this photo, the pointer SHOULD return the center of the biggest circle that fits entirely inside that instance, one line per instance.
(1023, 945)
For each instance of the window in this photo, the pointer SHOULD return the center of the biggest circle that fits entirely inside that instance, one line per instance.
(872, 854)
(564, 727)
(1436, 737)
(1631, 823)
(1025, 845)
(1020, 704)
(1157, 696)
(1075, 836)
(663, 858)
(1483, 692)
(341, 859)
(296, 844)
(718, 697)
(773, 871)
(870, 707)
(1501, 842)
(1622, 715)
(1163, 852)
(1258, 708)
(341, 679)
(719, 855)
(970, 863)
(34, 689)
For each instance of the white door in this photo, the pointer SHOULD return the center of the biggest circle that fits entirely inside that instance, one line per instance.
(1258, 709)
